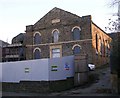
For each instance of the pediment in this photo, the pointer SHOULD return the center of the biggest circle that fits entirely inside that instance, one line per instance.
(55, 16)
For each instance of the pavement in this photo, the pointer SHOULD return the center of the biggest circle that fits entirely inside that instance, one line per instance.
(101, 86)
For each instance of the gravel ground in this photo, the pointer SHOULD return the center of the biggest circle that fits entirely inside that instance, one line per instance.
(101, 86)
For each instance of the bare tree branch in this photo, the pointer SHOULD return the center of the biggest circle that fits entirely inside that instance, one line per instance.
(114, 2)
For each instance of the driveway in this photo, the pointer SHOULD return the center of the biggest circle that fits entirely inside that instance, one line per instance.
(100, 85)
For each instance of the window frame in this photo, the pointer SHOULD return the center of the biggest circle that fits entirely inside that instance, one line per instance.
(55, 47)
(73, 37)
(34, 42)
(73, 48)
(39, 53)
(55, 52)
(54, 39)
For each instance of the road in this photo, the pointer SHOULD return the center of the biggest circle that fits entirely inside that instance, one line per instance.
(100, 86)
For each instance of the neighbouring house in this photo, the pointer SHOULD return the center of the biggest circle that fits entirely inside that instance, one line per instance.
(2, 44)
(16, 50)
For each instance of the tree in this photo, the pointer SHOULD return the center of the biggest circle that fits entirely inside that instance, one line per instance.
(114, 22)
(114, 26)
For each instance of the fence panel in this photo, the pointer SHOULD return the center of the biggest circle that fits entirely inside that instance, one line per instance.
(30, 70)
(61, 68)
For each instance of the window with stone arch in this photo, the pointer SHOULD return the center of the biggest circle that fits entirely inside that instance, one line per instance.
(103, 47)
(55, 36)
(106, 48)
(37, 53)
(96, 37)
(37, 38)
(76, 49)
(76, 33)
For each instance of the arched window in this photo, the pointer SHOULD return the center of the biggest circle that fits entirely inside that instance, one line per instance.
(103, 47)
(76, 33)
(106, 48)
(76, 49)
(96, 42)
(55, 35)
(37, 53)
(37, 38)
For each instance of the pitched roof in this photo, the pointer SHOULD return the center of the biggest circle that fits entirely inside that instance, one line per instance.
(2, 43)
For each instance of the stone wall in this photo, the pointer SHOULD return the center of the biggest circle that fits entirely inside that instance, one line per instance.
(100, 55)
(39, 86)
(86, 48)
(64, 22)
(65, 32)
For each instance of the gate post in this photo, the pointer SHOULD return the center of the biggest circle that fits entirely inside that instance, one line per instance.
(81, 69)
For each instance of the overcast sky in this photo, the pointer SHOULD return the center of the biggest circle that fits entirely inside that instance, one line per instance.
(15, 15)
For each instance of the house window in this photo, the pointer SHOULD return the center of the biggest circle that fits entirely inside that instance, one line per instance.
(55, 52)
(37, 38)
(37, 53)
(55, 35)
(76, 49)
(76, 33)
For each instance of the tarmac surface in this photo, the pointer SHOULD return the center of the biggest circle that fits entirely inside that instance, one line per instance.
(101, 86)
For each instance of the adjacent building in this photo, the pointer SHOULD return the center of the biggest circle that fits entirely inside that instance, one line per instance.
(2, 44)
(16, 50)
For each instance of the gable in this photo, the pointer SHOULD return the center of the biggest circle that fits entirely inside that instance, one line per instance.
(55, 16)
